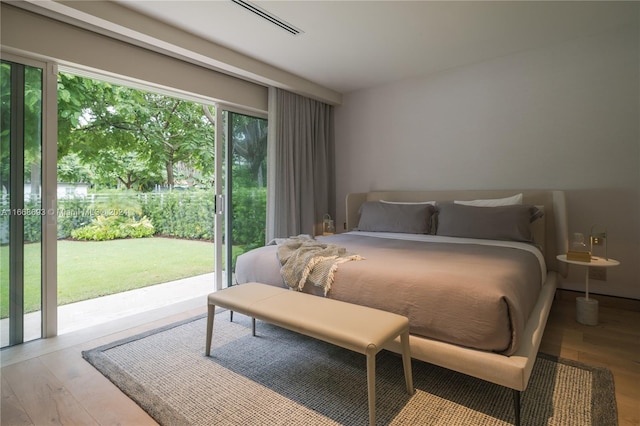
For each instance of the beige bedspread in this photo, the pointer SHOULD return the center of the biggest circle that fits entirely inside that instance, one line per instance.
(473, 295)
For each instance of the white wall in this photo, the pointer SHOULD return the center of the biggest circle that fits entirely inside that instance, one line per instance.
(562, 117)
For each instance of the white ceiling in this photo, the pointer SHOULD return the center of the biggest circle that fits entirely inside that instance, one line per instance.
(351, 45)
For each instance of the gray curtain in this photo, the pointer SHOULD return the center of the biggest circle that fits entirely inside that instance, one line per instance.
(301, 172)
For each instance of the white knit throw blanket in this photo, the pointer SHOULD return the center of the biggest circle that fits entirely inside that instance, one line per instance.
(305, 260)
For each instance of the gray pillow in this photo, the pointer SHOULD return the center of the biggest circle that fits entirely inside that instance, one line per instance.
(506, 223)
(386, 217)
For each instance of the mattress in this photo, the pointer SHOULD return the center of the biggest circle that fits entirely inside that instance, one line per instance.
(468, 292)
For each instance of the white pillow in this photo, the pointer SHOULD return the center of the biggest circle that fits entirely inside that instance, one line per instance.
(433, 203)
(496, 202)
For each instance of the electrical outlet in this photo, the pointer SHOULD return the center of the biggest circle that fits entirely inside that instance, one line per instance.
(599, 274)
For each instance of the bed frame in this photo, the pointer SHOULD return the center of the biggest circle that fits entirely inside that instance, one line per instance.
(510, 371)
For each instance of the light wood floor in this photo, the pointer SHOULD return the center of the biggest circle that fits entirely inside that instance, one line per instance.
(48, 382)
(614, 343)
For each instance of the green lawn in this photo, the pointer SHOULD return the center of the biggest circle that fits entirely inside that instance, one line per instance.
(88, 269)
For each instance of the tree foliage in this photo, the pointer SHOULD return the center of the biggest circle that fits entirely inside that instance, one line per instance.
(32, 123)
(250, 149)
(5, 123)
(130, 136)
(116, 136)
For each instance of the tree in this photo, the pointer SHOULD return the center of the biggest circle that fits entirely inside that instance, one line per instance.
(71, 169)
(250, 146)
(5, 125)
(176, 131)
(129, 135)
(32, 128)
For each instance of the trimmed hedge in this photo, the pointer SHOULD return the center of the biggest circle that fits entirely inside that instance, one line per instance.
(73, 213)
(249, 217)
(181, 214)
(191, 214)
(32, 223)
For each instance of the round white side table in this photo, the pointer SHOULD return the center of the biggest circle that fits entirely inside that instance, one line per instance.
(586, 308)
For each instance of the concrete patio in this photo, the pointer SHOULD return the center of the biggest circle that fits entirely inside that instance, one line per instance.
(88, 313)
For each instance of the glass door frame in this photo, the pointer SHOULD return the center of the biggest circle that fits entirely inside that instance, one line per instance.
(49, 317)
(223, 214)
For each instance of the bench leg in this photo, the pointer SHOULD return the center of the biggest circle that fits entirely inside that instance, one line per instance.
(210, 315)
(406, 362)
(371, 386)
(253, 323)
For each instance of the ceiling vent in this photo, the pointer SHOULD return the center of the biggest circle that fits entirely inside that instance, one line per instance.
(268, 16)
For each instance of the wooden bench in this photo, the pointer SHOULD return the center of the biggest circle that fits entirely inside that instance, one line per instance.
(358, 328)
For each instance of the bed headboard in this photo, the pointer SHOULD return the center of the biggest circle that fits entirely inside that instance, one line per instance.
(553, 201)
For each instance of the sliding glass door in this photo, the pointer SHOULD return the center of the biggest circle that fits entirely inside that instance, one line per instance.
(23, 202)
(241, 160)
(29, 191)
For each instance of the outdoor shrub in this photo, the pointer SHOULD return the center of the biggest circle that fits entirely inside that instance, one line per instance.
(249, 217)
(104, 228)
(73, 213)
(79, 212)
(32, 222)
(183, 214)
(122, 202)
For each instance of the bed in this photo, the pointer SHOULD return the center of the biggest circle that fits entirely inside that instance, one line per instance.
(474, 271)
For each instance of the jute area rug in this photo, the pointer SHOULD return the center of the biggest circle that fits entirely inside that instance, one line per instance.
(283, 378)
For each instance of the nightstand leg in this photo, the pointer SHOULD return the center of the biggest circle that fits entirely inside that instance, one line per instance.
(587, 309)
(586, 284)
